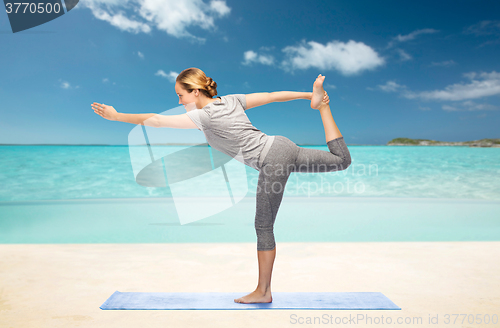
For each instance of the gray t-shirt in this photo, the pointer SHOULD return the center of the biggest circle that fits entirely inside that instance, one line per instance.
(228, 129)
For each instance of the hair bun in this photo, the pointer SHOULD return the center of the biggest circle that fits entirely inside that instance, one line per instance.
(210, 83)
(211, 86)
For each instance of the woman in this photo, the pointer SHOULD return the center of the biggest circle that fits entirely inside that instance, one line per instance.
(227, 129)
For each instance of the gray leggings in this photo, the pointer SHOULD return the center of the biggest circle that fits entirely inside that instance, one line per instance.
(283, 158)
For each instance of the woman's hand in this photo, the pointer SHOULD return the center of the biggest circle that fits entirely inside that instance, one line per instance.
(108, 112)
(326, 99)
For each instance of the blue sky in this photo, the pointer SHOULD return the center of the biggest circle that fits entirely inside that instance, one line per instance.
(393, 69)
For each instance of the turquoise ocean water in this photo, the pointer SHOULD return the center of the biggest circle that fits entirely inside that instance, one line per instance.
(79, 194)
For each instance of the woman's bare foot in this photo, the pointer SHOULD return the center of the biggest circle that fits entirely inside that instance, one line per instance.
(319, 95)
(256, 297)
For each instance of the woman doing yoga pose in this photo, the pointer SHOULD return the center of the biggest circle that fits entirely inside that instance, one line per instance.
(228, 129)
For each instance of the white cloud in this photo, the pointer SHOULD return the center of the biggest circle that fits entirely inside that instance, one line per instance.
(118, 19)
(172, 16)
(391, 86)
(449, 108)
(404, 55)
(469, 106)
(267, 48)
(220, 7)
(330, 86)
(490, 29)
(170, 76)
(105, 80)
(252, 57)
(484, 28)
(161, 73)
(411, 36)
(404, 38)
(445, 63)
(348, 58)
(140, 54)
(470, 75)
(481, 85)
(67, 85)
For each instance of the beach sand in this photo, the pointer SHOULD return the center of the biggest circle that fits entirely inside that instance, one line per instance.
(63, 285)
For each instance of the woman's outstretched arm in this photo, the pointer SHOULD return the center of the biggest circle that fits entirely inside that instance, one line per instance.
(262, 98)
(109, 113)
(182, 121)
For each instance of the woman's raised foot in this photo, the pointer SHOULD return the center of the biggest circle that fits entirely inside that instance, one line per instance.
(318, 94)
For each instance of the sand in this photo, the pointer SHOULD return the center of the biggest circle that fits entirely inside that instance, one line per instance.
(63, 285)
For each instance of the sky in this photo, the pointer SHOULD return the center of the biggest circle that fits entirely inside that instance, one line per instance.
(420, 69)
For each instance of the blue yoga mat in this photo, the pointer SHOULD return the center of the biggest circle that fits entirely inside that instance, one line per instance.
(225, 301)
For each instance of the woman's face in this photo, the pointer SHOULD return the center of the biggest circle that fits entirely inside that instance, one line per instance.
(188, 100)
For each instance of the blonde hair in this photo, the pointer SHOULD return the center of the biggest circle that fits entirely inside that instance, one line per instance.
(194, 78)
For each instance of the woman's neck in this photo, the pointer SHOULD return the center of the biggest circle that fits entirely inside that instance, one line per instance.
(205, 102)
